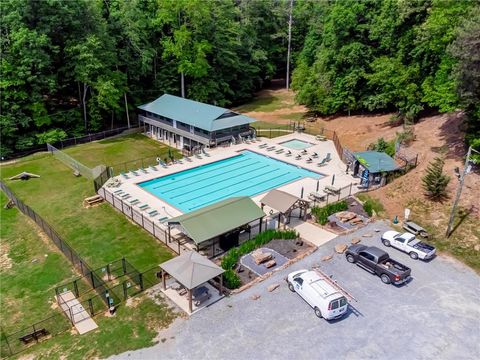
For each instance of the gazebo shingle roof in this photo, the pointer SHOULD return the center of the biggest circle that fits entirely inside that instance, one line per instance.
(191, 269)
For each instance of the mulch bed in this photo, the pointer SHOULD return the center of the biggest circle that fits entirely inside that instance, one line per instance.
(288, 248)
(334, 224)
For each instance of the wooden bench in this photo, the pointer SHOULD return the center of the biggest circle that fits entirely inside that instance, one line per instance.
(33, 335)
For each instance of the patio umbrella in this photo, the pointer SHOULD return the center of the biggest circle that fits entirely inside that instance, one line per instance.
(301, 195)
(318, 185)
(333, 179)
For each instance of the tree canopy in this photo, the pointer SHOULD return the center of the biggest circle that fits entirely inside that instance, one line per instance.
(73, 67)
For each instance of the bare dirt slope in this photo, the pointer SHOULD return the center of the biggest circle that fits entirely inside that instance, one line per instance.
(438, 135)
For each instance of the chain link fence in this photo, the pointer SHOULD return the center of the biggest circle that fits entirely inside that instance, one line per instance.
(76, 165)
(154, 227)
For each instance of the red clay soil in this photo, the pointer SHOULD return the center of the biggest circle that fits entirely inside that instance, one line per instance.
(435, 135)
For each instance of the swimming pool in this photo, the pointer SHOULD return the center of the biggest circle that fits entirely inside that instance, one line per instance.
(246, 174)
(296, 144)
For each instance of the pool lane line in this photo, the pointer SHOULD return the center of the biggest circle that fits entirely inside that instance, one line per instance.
(224, 196)
(172, 185)
(227, 186)
(208, 170)
(210, 184)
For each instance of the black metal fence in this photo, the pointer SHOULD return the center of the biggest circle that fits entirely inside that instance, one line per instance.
(75, 141)
(80, 264)
(64, 247)
(22, 339)
(331, 194)
(154, 227)
(126, 166)
(102, 178)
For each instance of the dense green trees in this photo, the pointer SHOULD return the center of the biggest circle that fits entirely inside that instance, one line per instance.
(71, 67)
(391, 55)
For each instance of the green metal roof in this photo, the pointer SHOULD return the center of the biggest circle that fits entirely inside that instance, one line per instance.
(219, 218)
(203, 116)
(376, 161)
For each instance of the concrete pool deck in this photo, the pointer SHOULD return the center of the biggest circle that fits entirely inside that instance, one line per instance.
(335, 168)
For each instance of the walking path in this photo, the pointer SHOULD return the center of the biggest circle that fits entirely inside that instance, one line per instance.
(76, 313)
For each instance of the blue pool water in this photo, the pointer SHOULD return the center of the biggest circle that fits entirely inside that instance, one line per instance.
(246, 174)
(296, 144)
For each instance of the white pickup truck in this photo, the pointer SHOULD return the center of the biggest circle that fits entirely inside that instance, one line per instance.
(407, 242)
(324, 298)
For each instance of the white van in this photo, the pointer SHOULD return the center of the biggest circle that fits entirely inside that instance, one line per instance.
(327, 301)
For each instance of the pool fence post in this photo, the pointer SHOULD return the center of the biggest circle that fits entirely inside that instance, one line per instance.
(35, 333)
(108, 272)
(124, 266)
(6, 340)
(91, 278)
(75, 287)
(90, 306)
(140, 280)
(125, 294)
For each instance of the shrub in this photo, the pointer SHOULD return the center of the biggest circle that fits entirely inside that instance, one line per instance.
(51, 136)
(322, 214)
(231, 279)
(406, 137)
(388, 147)
(435, 181)
(370, 204)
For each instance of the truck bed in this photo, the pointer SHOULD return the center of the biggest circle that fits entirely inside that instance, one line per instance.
(394, 267)
(423, 247)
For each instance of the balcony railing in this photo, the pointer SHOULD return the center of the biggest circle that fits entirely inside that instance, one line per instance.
(204, 139)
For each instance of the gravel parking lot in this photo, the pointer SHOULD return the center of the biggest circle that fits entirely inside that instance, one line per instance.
(435, 316)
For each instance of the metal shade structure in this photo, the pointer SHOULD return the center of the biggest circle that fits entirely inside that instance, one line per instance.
(191, 270)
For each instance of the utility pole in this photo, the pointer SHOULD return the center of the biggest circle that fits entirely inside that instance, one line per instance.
(459, 191)
(289, 43)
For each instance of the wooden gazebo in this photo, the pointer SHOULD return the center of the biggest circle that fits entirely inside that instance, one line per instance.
(191, 270)
(284, 203)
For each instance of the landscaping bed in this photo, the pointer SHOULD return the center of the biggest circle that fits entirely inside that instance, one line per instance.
(283, 246)
(343, 216)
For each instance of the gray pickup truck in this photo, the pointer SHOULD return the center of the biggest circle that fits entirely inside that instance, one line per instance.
(379, 263)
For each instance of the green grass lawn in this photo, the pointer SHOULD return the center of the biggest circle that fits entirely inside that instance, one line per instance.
(119, 150)
(266, 103)
(270, 130)
(134, 326)
(293, 116)
(31, 269)
(99, 234)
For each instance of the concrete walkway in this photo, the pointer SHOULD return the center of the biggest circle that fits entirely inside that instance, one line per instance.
(76, 313)
(312, 233)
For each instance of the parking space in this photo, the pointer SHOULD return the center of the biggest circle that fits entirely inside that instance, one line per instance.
(436, 315)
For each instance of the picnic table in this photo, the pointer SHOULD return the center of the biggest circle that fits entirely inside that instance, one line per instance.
(200, 294)
(33, 335)
(415, 229)
(331, 190)
(317, 196)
